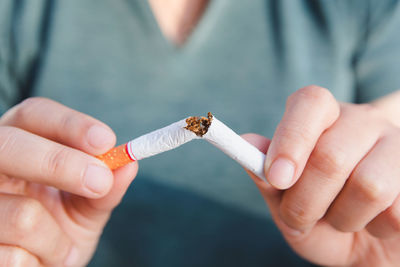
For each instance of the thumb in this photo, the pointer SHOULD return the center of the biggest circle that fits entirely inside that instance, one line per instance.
(122, 179)
(262, 143)
(94, 213)
(271, 195)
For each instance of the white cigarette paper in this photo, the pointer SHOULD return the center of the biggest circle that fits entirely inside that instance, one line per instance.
(236, 147)
(210, 129)
(161, 140)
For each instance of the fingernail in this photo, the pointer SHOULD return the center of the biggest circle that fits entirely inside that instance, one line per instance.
(281, 173)
(97, 179)
(72, 257)
(99, 136)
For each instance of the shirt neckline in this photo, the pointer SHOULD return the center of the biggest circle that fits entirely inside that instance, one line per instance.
(200, 31)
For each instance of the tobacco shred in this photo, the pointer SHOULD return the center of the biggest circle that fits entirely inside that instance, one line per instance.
(199, 125)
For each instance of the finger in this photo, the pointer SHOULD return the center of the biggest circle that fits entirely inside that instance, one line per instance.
(27, 224)
(336, 153)
(262, 143)
(123, 178)
(61, 124)
(35, 159)
(94, 213)
(16, 257)
(387, 224)
(269, 193)
(309, 112)
(371, 189)
(308, 243)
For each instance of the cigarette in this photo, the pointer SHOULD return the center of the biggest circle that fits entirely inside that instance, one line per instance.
(208, 128)
(150, 144)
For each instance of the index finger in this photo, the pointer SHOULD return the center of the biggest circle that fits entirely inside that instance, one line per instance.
(309, 112)
(54, 121)
(36, 159)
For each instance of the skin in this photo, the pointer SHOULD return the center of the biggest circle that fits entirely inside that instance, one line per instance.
(177, 18)
(340, 205)
(48, 214)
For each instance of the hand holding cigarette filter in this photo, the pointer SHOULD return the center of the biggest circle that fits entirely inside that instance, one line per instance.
(183, 131)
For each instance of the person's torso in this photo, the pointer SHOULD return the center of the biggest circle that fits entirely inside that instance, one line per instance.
(193, 205)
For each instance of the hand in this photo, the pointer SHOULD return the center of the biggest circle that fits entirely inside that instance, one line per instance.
(55, 198)
(334, 175)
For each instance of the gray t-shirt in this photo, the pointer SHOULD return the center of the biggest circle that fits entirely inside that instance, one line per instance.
(194, 206)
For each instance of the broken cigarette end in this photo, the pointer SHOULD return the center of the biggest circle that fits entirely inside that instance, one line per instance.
(199, 125)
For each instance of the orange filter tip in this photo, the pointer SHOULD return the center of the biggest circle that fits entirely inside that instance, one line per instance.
(116, 157)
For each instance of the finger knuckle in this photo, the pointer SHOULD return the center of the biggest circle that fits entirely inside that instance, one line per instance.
(69, 121)
(394, 218)
(328, 160)
(295, 216)
(61, 246)
(23, 111)
(34, 101)
(19, 258)
(344, 227)
(314, 93)
(61, 250)
(319, 98)
(295, 131)
(54, 161)
(372, 190)
(8, 139)
(27, 216)
(76, 124)
(372, 111)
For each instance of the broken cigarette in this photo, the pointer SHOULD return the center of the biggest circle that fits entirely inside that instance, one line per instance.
(183, 131)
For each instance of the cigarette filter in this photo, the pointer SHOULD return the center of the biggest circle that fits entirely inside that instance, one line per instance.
(183, 131)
